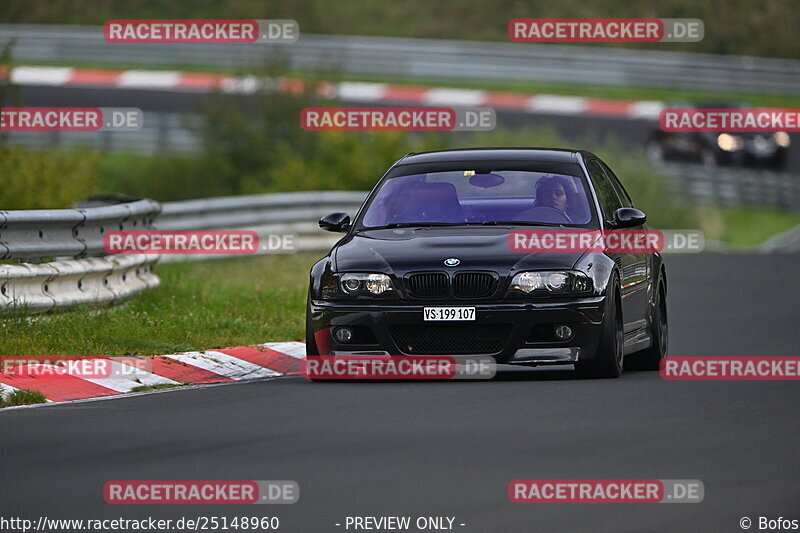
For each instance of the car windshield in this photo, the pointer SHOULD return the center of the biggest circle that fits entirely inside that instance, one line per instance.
(466, 197)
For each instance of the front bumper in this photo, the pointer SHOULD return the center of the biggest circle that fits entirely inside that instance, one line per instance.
(511, 332)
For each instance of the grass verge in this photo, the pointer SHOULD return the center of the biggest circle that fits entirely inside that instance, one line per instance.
(200, 305)
(21, 397)
(744, 228)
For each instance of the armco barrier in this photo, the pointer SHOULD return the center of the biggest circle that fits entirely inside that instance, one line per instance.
(134, 216)
(255, 210)
(29, 234)
(734, 187)
(91, 281)
(62, 234)
(45, 233)
(78, 233)
(267, 214)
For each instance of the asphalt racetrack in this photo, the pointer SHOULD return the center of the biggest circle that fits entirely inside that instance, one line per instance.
(451, 448)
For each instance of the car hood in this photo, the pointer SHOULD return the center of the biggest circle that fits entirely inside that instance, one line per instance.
(398, 251)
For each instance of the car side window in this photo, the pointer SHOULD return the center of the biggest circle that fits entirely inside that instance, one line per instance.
(606, 194)
(621, 192)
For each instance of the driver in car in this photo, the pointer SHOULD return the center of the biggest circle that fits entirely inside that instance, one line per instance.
(551, 192)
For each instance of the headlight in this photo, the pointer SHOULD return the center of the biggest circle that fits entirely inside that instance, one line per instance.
(729, 142)
(554, 282)
(782, 139)
(355, 284)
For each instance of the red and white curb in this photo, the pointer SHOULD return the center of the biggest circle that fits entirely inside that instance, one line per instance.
(65, 383)
(362, 92)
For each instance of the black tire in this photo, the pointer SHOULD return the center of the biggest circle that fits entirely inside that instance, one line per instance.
(311, 343)
(650, 358)
(609, 359)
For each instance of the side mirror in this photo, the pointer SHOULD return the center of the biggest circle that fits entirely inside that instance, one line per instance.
(337, 222)
(628, 217)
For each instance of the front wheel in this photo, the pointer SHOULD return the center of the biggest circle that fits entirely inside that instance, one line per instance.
(608, 361)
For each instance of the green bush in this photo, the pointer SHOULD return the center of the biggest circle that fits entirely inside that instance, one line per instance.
(163, 177)
(344, 160)
(39, 179)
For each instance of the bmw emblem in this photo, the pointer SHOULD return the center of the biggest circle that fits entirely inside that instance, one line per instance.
(451, 262)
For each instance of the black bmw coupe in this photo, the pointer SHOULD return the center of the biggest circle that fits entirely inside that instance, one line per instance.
(426, 267)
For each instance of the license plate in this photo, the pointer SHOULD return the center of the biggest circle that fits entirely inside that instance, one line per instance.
(449, 313)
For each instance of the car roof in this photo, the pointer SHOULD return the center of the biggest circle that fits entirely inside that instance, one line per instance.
(495, 154)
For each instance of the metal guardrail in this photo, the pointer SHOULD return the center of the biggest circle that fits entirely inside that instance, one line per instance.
(61, 284)
(57, 233)
(46, 233)
(427, 58)
(255, 210)
(294, 213)
(734, 187)
(62, 233)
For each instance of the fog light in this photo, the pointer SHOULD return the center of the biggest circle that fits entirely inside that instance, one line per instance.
(563, 332)
(343, 334)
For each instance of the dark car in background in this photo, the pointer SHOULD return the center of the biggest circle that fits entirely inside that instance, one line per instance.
(752, 149)
(425, 267)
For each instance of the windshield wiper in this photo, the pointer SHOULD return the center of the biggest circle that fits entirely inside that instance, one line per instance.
(394, 225)
(520, 223)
